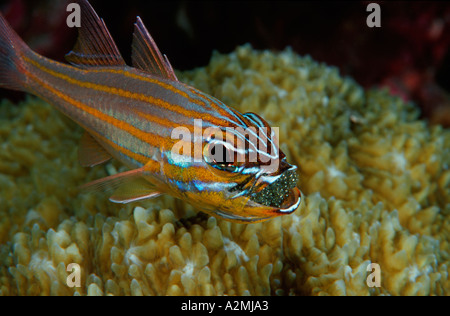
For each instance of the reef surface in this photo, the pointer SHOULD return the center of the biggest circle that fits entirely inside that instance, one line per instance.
(375, 179)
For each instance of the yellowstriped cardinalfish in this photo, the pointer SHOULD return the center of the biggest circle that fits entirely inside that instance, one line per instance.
(130, 113)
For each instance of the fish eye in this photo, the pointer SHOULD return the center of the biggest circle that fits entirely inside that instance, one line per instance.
(220, 156)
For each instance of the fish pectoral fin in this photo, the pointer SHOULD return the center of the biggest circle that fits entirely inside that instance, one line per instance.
(95, 46)
(90, 152)
(136, 190)
(128, 186)
(113, 182)
(146, 55)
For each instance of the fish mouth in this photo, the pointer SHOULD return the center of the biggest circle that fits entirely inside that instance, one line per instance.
(281, 194)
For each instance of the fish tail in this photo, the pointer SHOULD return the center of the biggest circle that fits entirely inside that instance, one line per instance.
(12, 65)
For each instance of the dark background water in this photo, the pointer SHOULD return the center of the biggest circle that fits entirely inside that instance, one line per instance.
(408, 54)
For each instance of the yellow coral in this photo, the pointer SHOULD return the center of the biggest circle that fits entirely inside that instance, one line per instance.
(376, 181)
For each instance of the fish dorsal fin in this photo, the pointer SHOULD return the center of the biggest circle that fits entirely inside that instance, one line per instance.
(91, 153)
(95, 46)
(146, 55)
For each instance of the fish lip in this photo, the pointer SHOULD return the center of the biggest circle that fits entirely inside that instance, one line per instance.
(294, 194)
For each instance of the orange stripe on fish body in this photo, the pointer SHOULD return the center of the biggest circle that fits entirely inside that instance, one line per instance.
(130, 113)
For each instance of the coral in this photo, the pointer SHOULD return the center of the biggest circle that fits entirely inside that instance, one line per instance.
(375, 180)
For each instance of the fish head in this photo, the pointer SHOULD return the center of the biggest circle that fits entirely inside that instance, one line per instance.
(253, 181)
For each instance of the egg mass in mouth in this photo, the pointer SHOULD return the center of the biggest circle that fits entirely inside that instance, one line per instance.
(278, 191)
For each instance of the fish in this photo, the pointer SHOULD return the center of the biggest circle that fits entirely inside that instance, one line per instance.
(140, 114)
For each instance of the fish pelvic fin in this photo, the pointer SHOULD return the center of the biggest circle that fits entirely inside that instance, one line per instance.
(12, 65)
(135, 190)
(95, 46)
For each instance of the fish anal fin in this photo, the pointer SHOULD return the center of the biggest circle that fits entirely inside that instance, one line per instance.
(146, 55)
(90, 152)
(95, 46)
(135, 190)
